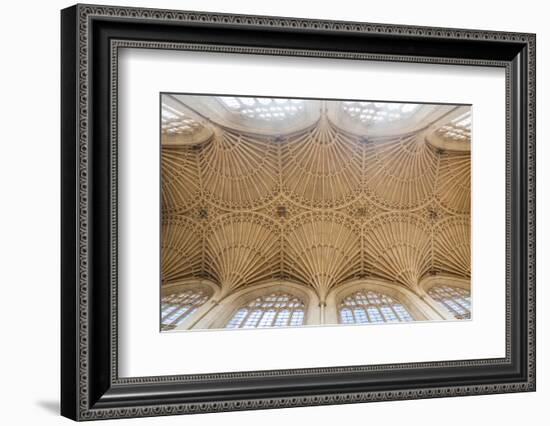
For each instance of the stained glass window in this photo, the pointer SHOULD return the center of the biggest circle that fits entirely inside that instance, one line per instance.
(176, 307)
(459, 129)
(176, 122)
(272, 310)
(268, 109)
(378, 112)
(367, 306)
(456, 300)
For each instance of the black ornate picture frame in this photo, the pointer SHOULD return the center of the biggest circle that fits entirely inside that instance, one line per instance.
(91, 37)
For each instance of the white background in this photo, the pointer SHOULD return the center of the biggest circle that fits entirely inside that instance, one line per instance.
(29, 225)
(142, 346)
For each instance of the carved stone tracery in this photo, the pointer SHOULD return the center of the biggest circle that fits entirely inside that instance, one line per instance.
(319, 207)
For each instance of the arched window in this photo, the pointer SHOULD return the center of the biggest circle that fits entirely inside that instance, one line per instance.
(456, 300)
(379, 112)
(272, 310)
(177, 306)
(459, 129)
(367, 306)
(268, 109)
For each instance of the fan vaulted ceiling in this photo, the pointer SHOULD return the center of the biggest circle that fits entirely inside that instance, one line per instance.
(315, 192)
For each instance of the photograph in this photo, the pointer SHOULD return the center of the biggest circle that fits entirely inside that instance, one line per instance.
(268, 207)
(293, 212)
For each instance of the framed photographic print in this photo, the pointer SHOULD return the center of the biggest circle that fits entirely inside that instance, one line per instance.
(263, 212)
